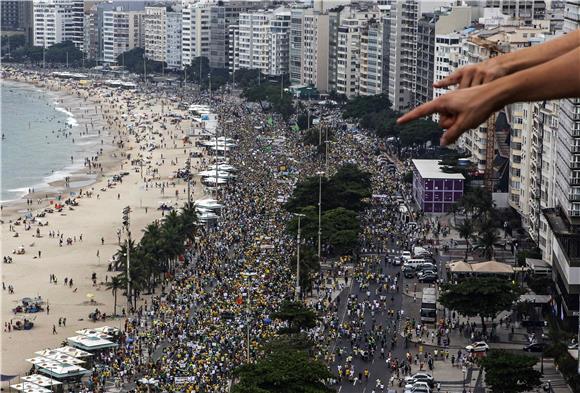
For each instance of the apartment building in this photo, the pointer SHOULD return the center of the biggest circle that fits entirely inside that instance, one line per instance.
(443, 21)
(295, 49)
(371, 63)
(527, 10)
(478, 47)
(91, 34)
(563, 217)
(315, 48)
(204, 33)
(56, 21)
(155, 23)
(122, 30)
(279, 43)
(403, 22)
(163, 35)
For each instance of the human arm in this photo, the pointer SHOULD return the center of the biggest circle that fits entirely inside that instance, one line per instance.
(509, 63)
(464, 109)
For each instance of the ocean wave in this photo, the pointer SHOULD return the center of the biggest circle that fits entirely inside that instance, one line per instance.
(71, 121)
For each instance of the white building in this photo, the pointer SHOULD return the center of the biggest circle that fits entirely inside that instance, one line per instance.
(371, 67)
(262, 41)
(447, 59)
(563, 217)
(295, 47)
(56, 21)
(403, 22)
(122, 31)
(315, 47)
(204, 33)
(163, 35)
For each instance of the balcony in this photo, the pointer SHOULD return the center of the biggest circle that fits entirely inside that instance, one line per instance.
(574, 197)
(575, 165)
(575, 181)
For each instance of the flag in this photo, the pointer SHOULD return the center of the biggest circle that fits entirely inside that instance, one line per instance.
(270, 121)
(239, 300)
(295, 128)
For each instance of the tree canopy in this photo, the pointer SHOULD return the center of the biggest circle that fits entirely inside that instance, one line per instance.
(285, 370)
(483, 296)
(375, 113)
(296, 315)
(507, 372)
(134, 61)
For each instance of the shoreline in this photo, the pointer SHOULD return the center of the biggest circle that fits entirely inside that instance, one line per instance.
(94, 226)
(50, 189)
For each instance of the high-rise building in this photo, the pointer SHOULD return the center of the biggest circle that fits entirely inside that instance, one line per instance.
(17, 16)
(447, 59)
(173, 41)
(315, 46)
(527, 10)
(443, 21)
(295, 49)
(203, 33)
(563, 218)
(403, 22)
(123, 30)
(262, 41)
(91, 34)
(155, 31)
(56, 21)
(372, 54)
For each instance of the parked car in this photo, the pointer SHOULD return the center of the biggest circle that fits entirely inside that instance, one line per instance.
(408, 272)
(419, 386)
(479, 346)
(423, 377)
(535, 347)
(426, 266)
(427, 278)
(406, 255)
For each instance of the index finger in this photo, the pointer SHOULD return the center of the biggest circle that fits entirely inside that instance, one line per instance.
(420, 111)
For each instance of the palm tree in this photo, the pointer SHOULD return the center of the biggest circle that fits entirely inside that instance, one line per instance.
(114, 285)
(466, 230)
(487, 239)
(188, 218)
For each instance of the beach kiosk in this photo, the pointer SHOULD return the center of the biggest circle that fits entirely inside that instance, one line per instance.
(92, 343)
(38, 383)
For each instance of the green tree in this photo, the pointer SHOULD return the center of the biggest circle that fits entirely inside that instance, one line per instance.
(134, 61)
(466, 231)
(507, 372)
(246, 77)
(58, 53)
(486, 241)
(114, 285)
(483, 296)
(287, 370)
(340, 228)
(296, 315)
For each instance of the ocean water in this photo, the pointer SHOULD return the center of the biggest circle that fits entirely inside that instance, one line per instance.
(34, 150)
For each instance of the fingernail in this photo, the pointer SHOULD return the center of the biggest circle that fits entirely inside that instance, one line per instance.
(443, 141)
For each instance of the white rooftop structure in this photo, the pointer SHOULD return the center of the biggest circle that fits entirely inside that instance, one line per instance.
(53, 354)
(90, 343)
(28, 387)
(74, 352)
(57, 369)
(40, 380)
(430, 169)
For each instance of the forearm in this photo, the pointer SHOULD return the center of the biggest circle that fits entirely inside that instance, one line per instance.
(557, 78)
(530, 57)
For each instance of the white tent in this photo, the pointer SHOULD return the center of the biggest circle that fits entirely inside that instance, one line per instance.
(223, 174)
(28, 387)
(222, 167)
(207, 216)
(209, 204)
(212, 180)
(40, 380)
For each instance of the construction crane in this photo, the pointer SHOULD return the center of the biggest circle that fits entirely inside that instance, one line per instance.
(488, 179)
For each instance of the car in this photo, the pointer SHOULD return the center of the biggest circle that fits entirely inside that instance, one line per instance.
(573, 345)
(535, 347)
(420, 377)
(418, 387)
(427, 266)
(406, 255)
(409, 272)
(479, 346)
(426, 273)
(427, 278)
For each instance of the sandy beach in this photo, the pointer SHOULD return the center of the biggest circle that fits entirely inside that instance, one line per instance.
(94, 224)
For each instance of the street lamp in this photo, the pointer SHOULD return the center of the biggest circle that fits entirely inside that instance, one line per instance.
(464, 371)
(320, 174)
(248, 275)
(297, 291)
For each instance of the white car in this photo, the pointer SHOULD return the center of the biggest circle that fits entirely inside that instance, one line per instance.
(418, 386)
(406, 255)
(479, 346)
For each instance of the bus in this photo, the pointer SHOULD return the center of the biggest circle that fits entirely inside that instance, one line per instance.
(429, 306)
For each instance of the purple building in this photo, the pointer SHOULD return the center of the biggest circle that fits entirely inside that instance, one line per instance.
(435, 191)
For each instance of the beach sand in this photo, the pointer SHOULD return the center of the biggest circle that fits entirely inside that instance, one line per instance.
(94, 218)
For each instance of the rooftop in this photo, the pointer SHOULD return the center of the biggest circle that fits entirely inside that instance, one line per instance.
(430, 169)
